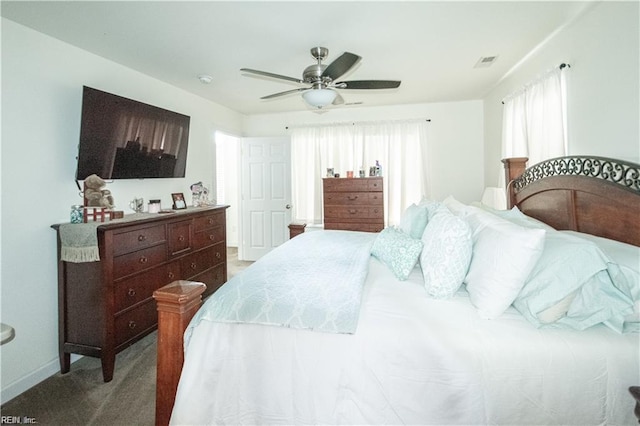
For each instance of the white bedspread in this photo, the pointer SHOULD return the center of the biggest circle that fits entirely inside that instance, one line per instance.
(413, 360)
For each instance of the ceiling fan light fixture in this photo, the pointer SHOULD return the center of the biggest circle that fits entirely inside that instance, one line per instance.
(319, 98)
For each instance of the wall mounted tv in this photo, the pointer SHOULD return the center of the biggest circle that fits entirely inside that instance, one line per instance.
(125, 139)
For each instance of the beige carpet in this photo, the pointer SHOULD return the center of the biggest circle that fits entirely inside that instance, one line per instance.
(80, 397)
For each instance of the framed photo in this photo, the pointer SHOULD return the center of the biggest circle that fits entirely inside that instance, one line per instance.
(178, 201)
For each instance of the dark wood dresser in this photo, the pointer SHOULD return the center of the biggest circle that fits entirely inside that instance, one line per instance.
(353, 204)
(106, 306)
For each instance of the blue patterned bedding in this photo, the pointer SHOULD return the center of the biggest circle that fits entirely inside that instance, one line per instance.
(314, 281)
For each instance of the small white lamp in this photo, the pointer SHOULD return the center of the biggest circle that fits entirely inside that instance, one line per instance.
(494, 197)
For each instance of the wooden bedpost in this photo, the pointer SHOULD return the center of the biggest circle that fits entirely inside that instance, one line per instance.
(513, 167)
(177, 303)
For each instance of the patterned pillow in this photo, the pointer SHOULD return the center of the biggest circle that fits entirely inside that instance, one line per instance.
(413, 221)
(397, 250)
(446, 254)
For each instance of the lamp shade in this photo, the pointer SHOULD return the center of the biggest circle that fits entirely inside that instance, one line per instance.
(319, 97)
(495, 198)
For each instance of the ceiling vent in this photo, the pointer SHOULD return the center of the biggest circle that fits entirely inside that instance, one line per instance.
(486, 61)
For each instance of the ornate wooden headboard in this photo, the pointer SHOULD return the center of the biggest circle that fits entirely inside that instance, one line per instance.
(594, 195)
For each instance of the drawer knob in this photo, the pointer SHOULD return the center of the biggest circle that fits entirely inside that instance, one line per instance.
(352, 211)
(141, 237)
(131, 292)
(193, 265)
(218, 255)
(212, 237)
(181, 238)
(132, 325)
(143, 260)
(210, 221)
(353, 197)
(171, 275)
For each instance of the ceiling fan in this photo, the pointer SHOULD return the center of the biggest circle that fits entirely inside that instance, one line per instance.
(321, 79)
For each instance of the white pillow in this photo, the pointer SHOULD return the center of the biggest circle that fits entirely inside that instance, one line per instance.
(414, 220)
(503, 256)
(455, 206)
(514, 215)
(446, 253)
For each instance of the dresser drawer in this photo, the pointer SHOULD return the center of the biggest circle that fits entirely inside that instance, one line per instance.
(127, 242)
(208, 221)
(208, 237)
(357, 226)
(179, 237)
(135, 321)
(141, 286)
(345, 185)
(140, 260)
(374, 184)
(352, 212)
(202, 260)
(213, 278)
(352, 185)
(353, 198)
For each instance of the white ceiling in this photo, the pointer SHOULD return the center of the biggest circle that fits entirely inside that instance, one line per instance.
(431, 46)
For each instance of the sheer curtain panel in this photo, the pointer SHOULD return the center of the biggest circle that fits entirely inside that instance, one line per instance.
(534, 119)
(399, 147)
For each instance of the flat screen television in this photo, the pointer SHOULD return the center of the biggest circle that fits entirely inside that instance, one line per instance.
(125, 139)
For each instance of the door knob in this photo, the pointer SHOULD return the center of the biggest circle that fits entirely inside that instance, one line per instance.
(288, 206)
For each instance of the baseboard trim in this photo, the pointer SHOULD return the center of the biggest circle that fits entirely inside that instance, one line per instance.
(30, 380)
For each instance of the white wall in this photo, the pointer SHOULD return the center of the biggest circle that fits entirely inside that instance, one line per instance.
(228, 153)
(42, 81)
(455, 139)
(603, 108)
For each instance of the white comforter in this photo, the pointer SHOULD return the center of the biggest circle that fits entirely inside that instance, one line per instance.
(412, 360)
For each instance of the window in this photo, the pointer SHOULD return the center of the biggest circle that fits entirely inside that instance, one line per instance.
(534, 119)
(399, 147)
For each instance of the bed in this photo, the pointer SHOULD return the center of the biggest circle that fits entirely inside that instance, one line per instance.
(543, 330)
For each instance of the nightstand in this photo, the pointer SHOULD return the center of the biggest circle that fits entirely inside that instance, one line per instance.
(296, 229)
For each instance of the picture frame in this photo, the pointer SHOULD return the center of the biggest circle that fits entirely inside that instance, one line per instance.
(179, 202)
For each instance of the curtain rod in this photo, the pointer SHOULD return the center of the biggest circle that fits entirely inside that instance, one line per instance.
(561, 66)
(353, 123)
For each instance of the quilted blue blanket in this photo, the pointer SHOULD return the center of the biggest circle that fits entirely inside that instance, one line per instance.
(314, 281)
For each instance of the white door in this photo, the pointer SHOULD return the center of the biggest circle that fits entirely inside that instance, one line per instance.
(266, 195)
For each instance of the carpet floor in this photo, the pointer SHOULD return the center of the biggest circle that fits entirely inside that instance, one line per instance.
(80, 397)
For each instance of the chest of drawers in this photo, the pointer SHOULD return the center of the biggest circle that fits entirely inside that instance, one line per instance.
(106, 306)
(353, 204)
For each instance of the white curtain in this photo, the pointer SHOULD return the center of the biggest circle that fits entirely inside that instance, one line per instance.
(534, 119)
(398, 146)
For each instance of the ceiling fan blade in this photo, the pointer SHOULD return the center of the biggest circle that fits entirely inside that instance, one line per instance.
(368, 84)
(338, 100)
(341, 65)
(272, 75)
(286, 92)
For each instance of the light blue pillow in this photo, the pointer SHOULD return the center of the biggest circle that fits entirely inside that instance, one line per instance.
(446, 253)
(574, 270)
(431, 206)
(414, 220)
(398, 251)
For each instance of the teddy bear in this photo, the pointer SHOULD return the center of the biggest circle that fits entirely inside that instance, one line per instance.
(94, 195)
